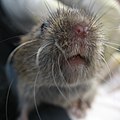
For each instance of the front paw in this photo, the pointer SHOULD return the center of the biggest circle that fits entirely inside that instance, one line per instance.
(78, 108)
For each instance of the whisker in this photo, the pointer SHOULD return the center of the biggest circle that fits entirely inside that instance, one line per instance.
(8, 62)
(112, 65)
(7, 98)
(111, 43)
(59, 5)
(60, 68)
(49, 10)
(56, 44)
(62, 74)
(111, 47)
(40, 50)
(115, 56)
(56, 83)
(108, 68)
(35, 95)
(90, 8)
(37, 17)
(96, 19)
(4, 40)
(15, 50)
(31, 56)
(91, 5)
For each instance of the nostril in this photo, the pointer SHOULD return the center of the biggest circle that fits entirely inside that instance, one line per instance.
(81, 31)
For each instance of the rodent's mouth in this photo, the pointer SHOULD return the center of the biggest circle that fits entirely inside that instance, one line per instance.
(78, 60)
(75, 68)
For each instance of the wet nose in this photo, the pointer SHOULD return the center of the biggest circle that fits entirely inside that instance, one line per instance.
(81, 31)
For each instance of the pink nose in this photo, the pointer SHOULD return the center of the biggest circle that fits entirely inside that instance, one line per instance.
(81, 31)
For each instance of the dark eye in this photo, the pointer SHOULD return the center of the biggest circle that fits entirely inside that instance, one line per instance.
(44, 26)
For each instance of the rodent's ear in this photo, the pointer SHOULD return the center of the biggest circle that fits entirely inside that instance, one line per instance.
(33, 34)
(44, 26)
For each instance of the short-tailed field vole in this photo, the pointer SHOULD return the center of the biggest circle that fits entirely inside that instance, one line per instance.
(58, 61)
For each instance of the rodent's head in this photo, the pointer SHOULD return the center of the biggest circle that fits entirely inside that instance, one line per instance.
(71, 46)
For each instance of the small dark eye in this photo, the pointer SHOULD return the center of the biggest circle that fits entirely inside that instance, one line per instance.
(44, 26)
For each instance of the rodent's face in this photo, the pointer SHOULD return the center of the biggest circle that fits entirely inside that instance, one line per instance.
(71, 48)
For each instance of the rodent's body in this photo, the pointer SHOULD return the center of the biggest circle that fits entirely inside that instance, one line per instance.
(59, 63)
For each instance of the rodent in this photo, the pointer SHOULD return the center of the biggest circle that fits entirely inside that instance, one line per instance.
(59, 61)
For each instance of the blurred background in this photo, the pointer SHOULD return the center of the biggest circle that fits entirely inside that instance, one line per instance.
(17, 18)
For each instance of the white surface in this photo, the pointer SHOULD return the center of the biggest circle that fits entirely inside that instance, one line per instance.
(107, 103)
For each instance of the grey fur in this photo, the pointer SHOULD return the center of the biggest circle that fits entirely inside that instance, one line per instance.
(53, 79)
